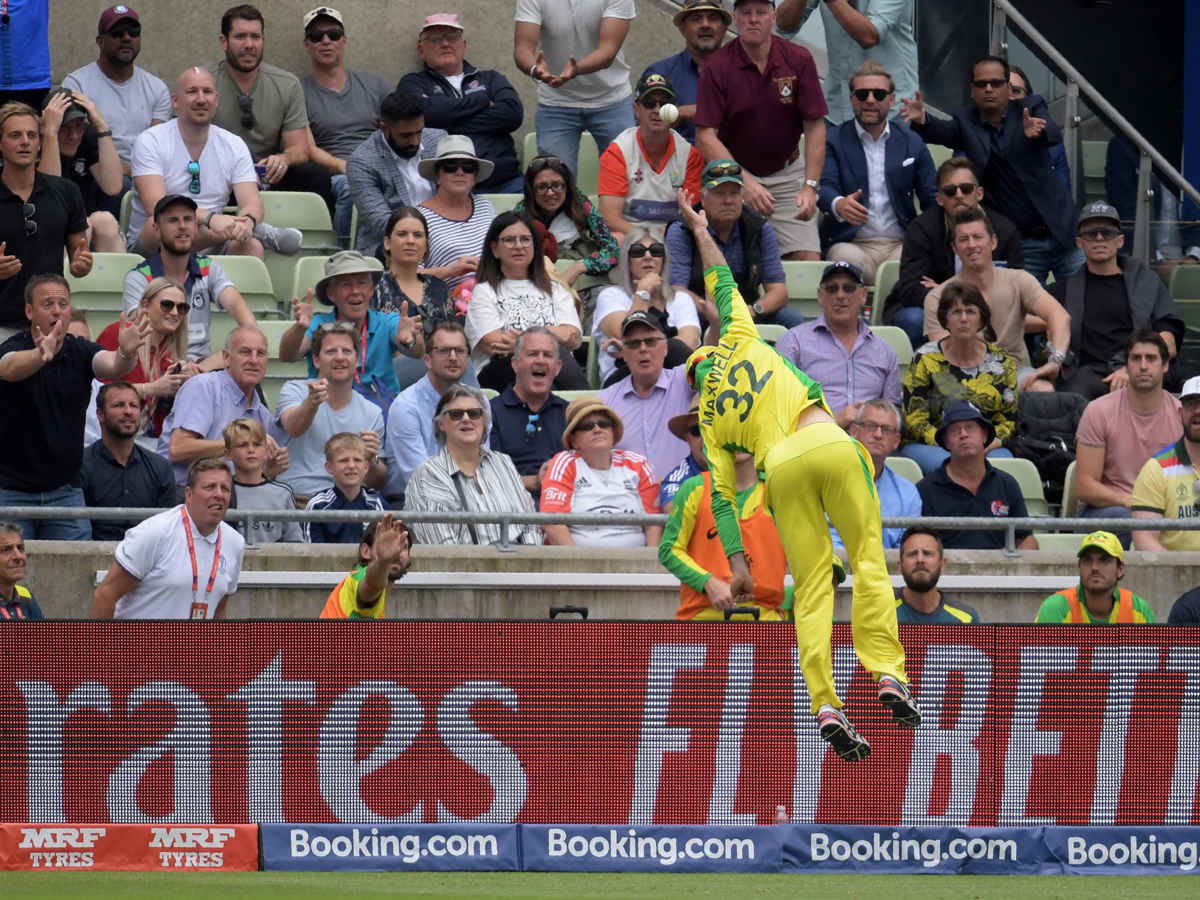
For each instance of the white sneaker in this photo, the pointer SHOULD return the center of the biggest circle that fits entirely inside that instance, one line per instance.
(281, 240)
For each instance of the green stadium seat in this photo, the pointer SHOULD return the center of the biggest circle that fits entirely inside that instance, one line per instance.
(103, 287)
(308, 212)
(1070, 504)
(574, 395)
(277, 372)
(587, 176)
(504, 202)
(585, 281)
(1095, 161)
(311, 269)
(490, 394)
(904, 467)
(353, 227)
(126, 212)
(1185, 291)
(1030, 481)
(250, 276)
(771, 333)
(897, 339)
(1067, 542)
(803, 277)
(940, 154)
(885, 279)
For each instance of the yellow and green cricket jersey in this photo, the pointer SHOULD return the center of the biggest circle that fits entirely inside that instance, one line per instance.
(1056, 609)
(750, 400)
(345, 603)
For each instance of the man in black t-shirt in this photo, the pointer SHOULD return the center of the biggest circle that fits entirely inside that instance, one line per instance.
(77, 144)
(45, 390)
(1186, 610)
(1109, 299)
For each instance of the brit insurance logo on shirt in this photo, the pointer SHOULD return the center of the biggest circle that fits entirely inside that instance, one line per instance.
(787, 88)
(999, 508)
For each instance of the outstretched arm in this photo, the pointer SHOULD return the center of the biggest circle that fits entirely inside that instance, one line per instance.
(717, 277)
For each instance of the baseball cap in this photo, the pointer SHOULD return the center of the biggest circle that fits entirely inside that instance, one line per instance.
(772, 2)
(441, 20)
(841, 267)
(719, 171)
(171, 200)
(1100, 210)
(691, 6)
(327, 11)
(74, 112)
(1191, 387)
(963, 411)
(115, 14)
(1104, 541)
(652, 81)
(641, 317)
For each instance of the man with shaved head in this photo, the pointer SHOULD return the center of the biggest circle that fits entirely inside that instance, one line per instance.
(192, 157)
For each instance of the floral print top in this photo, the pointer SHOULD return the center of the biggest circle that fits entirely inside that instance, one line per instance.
(932, 383)
(608, 250)
(435, 305)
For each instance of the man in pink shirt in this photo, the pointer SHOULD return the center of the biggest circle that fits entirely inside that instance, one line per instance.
(1120, 431)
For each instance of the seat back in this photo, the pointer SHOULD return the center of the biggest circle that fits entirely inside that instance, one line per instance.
(1070, 504)
(904, 467)
(311, 269)
(1095, 161)
(250, 276)
(104, 286)
(803, 278)
(1066, 542)
(1030, 482)
(897, 339)
(771, 333)
(886, 277)
(503, 202)
(574, 395)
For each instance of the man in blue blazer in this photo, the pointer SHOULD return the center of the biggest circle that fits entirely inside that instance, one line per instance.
(872, 168)
(1009, 141)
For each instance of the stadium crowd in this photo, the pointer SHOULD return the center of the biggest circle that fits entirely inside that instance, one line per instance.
(1009, 295)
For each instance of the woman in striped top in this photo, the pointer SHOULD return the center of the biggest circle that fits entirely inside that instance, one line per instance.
(458, 220)
(464, 476)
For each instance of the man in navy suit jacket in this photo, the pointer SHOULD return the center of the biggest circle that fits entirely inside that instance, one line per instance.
(872, 168)
(1009, 141)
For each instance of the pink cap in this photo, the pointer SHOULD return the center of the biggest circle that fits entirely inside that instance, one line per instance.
(441, 20)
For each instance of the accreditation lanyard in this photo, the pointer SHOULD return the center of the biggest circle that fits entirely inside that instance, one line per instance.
(200, 610)
(16, 614)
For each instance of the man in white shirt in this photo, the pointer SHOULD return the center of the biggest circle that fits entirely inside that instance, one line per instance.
(191, 156)
(181, 564)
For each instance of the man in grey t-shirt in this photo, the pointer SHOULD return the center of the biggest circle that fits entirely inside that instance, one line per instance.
(129, 98)
(343, 106)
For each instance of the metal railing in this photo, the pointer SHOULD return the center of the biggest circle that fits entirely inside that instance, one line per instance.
(1002, 12)
(508, 520)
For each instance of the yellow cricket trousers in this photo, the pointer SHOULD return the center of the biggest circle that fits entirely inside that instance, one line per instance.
(821, 470)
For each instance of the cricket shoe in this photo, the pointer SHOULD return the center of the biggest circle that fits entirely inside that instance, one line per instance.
(281, 240)
(895, 695)
(837, 730)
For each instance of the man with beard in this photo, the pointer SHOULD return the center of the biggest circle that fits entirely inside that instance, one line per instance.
(384, 171)
(382, 561)
(1096, 599)
(264, 106)
(118, 472)
(130, 98)
(148, 578)
(204, 282)
(919, 602)
(1167, 486)
(702, 24)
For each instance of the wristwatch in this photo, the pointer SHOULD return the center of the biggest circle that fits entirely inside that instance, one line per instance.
(644, 296)
(808, 182)
(758, 308)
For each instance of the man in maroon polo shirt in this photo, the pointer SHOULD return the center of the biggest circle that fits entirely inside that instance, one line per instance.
(757, 96)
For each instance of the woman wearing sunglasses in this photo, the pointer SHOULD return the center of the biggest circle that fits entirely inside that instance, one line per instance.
(552, 198)
(592, 477)
(514, 292)
(640, 286)
(464, 476)
(162, 364)
(458, 220)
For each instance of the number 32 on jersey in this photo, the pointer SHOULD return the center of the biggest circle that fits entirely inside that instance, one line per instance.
(744, 398)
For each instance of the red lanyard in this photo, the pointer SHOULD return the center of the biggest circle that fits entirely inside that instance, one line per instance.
(6, 614)
(200, 610)
(362, 356)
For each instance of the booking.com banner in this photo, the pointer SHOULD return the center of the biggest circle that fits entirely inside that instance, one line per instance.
(614, 724)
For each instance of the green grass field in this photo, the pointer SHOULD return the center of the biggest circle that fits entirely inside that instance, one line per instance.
(536, 886)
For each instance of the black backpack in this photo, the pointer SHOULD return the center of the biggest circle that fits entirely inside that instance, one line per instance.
(1046, 425)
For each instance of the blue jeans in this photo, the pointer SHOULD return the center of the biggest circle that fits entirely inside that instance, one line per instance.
(560, 127)
(930, 456)
(911, 319)
(514, 186)
(50, 529)
(1044, 255)
(343, 208)
(785, 316)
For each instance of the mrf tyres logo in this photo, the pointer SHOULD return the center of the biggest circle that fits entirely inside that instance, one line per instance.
(192, 847)
(892, 848)
(631, 845)
(61, 848)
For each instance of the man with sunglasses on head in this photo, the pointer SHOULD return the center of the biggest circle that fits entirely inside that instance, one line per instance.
(927, 257)
(343, 106)
(643, 168)
(1009, 142)
(129, 98)
(1108, 300)
(873, 168)
(264, 106)
(461, 99)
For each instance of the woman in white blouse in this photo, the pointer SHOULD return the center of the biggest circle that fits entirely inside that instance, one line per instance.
(640, 287)
(464, 476)
(513, 292)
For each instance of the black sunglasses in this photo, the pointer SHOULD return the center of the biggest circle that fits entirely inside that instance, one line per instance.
(966, 187)
(597, 423)
(194, 171)
(861, 95)
(467, 166)
(652, 104)
(30, 226)
(119, 31)
(245, 101)
(731, 169)
(694, 430)
(994, 83)
(637, 251)
(456, 415)
(319, 34)
(181, 307)
(542, 162)
(1108, 232)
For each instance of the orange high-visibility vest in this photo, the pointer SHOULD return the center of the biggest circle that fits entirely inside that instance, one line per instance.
(1124, 607)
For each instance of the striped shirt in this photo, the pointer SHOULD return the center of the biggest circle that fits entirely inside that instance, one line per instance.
(869, 371)
(495, 487)
(450, 239)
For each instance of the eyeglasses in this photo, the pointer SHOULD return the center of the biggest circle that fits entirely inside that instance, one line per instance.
(653, 104)
(120, 31)
(730, 169)
(552, 187)
(872, 427)
(30, 226)
(694, 430)
(1107, 232)
(469, 166)
(637, 251)
(180, 307)
(1018, 91)
(845, 287)
(443, 37)
(319, 34)
(593, 424)
(194, 171)
(637, 343)
(861, 95)
(531, 428)
(994, 83)
(245, 101)
(474, 414)
(336, 328)
(447, 352)
(963, 312)
(517, 240)
(541, 162)
(967, 187)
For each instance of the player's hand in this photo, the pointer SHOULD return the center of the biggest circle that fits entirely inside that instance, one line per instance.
(317, 391)
(693, 219)
(1118, 380)
(741, 585)
(913, 110)
(851, 210)
(391, 541)
(718, 593)
(1033, 126)
(758, 198)
(303, 309)
(806, 203)
(9, 265)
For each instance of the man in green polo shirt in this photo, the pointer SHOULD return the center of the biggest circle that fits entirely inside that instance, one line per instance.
(1101, 565)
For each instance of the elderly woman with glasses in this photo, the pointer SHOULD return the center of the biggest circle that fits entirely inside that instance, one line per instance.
(162, 363)
(458, 220)
(643, 260)
(592, 477)
(961, 366)
(552, 198)
(464, 476)
(513, 292)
